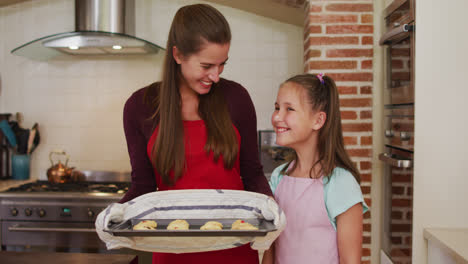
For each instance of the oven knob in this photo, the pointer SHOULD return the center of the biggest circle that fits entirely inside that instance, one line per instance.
(27, 212)
(41, 212)
(14, 212)
(90, 213)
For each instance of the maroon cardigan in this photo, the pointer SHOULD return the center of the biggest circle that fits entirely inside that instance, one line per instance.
(139, 127)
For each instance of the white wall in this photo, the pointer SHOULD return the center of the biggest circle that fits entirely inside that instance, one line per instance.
(441, 123)
(78, 103)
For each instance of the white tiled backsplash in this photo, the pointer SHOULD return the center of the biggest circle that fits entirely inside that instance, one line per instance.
(78, 103)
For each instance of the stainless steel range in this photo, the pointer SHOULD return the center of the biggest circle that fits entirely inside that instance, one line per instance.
(58, 217)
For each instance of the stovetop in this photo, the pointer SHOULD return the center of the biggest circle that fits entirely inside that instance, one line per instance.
(82, 187)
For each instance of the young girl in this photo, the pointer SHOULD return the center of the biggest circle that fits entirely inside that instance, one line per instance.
(318, 188)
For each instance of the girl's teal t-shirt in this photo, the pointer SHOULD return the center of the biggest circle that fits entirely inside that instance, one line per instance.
(341, 191)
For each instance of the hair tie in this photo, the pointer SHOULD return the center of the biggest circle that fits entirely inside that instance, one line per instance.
(320, 77)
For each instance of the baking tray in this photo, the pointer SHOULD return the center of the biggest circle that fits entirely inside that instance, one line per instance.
(126, 228)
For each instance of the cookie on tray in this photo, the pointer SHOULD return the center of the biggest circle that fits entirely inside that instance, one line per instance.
(178, 225)
(242, 225)
(145, 224)
(212, 225)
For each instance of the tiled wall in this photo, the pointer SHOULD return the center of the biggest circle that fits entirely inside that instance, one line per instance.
(78, 103)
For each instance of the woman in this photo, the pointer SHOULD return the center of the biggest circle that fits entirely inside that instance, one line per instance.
(194, 130)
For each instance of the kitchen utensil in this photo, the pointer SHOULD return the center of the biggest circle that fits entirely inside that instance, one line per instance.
(22, 136)
(5, 152)
(8, 132)
(37, 138)
(32, 135)
(59, 173)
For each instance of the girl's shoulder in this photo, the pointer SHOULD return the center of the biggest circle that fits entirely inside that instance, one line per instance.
(276, 177)
(341, 192)
(340, 176)
(341, 181)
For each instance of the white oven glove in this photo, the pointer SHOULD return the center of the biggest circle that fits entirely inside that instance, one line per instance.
(192, 204)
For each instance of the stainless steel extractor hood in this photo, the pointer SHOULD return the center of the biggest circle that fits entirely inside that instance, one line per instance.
(102, 27)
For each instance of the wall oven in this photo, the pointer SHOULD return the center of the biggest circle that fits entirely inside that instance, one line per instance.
(398, 122)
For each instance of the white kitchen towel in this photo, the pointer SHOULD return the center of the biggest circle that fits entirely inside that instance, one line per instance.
(192, 204)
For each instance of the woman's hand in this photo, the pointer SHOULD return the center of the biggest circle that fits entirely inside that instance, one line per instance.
(349, 232)
(269, 255)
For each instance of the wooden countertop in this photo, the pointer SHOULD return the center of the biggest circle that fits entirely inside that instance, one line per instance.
(10, 257)
(453, 240)
(6, 184)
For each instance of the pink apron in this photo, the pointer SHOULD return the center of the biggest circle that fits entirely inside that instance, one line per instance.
(309, 236)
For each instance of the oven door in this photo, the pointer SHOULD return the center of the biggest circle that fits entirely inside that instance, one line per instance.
(398, 204)
(56, 236)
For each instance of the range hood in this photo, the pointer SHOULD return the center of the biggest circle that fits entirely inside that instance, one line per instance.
(102, 27)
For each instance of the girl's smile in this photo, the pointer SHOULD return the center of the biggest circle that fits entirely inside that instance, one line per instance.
(292, 117)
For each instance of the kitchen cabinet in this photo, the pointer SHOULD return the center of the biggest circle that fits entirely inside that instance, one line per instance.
(446, 245)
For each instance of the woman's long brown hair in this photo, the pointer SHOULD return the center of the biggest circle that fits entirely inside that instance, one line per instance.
(192, 27)
(324, 97)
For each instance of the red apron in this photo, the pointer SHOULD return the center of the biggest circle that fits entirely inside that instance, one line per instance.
(203, 173)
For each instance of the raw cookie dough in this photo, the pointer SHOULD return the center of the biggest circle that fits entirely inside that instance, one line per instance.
(145, 224)
(178, 225)
(242, 225)
(212, 225)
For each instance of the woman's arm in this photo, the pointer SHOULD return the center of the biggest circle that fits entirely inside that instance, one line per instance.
(349, 232)
(269, 255)
(135, 118)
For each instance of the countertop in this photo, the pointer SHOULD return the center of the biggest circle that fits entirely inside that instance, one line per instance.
(9, 257)
(453, 240)
(6, 184)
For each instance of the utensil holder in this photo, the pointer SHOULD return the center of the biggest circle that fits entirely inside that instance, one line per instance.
(20, 167)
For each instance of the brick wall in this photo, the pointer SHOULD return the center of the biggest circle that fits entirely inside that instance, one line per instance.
(338, 41)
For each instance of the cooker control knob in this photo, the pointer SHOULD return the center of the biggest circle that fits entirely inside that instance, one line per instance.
(90, 213)
(14, 211)
(41, 212)
(28, 212)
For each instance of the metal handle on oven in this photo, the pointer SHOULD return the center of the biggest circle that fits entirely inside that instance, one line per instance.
(404, 136)
(400, 163)
(48, 229)
(389, 133)
(390, 35)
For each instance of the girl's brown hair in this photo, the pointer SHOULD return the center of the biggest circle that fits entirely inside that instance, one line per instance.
(324, 97)
(192, 27)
